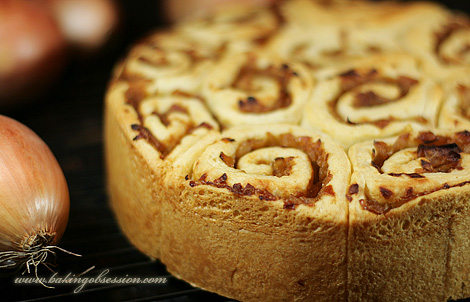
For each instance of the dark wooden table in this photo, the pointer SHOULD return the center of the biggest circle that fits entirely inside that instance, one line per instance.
(70, 121)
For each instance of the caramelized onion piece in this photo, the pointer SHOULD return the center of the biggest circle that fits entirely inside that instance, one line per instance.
(442, 158)
(245, 80)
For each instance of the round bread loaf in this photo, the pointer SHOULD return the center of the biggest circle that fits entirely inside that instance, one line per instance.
(308, 151)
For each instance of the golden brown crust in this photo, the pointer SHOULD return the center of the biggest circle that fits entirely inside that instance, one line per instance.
(133, 192)
(225, 253)
(418, 239)
(417, 235)
(303, 158)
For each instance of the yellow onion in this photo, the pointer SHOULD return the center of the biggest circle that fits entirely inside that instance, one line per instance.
(32, 51)
(34, 198)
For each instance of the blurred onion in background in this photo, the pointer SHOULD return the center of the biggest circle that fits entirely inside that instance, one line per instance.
(39, 37)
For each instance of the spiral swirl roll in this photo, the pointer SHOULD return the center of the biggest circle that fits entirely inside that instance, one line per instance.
(255, 89)
(441, 40)
(167, 128)
(455, 111)
(275, 174)
(407, 199)
(373, 97)
(174, 122)
(319, 33)
(247, 28)
(275, 162)
(165, 62)
(396, 171)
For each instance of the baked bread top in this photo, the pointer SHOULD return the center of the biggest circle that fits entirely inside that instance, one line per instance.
(348, 71)
(314, 119)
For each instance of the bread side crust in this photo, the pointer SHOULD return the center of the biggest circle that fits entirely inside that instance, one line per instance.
(274, 255)
(416, 249)
(132, 182)
(278, 256)
(253, 262)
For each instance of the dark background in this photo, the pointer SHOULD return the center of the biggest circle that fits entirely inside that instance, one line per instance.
(70, 119)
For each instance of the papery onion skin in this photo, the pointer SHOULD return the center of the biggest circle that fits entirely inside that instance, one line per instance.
(34, 196)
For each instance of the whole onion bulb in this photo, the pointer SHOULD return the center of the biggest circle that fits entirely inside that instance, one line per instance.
(32, 51)
(34, 197)
(39, 37)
